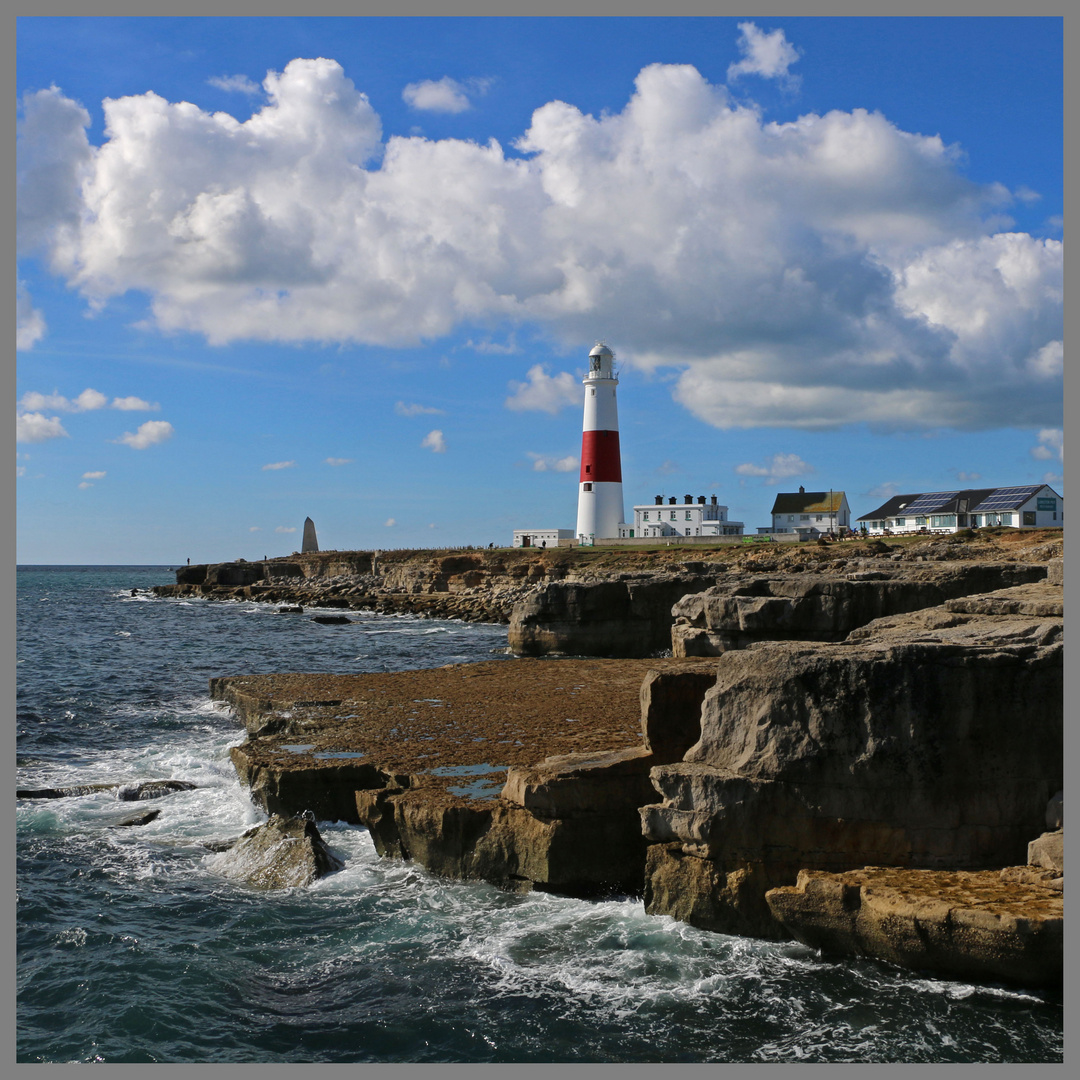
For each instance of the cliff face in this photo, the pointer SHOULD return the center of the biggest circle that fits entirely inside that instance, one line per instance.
(628, 617)
(816, 607)
(618, 601)
(927, 740)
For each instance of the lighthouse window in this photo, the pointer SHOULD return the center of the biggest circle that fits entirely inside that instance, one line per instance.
(593, 391)
(586, 487)
(588, 468)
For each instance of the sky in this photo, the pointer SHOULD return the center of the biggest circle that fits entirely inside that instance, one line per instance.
(352, 268)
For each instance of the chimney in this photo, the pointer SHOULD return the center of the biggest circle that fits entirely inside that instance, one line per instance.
(714, 500)
(701, 500)
(672, 501)
(659, 500)
(687, 499)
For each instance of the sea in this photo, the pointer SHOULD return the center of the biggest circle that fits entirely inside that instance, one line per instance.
(131, 949)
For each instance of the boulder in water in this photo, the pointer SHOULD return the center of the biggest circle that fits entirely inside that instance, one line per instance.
(138, 819)
(152, 789)
(279, 854)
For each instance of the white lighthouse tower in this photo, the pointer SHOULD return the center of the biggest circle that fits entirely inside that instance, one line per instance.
(600, 501)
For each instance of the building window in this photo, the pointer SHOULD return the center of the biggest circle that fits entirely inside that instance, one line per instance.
(791, 517)
(672, 515)
(920, 521)
(1029, 517)
(689, 516)
(805, 517)
(901, 522)
(645, 516)
(819, 518)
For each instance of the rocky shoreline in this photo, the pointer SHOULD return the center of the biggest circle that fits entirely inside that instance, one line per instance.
(862, 712)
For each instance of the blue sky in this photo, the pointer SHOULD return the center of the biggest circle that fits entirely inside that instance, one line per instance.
(351, 268)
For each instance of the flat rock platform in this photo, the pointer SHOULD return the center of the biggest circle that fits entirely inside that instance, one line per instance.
(475, 719)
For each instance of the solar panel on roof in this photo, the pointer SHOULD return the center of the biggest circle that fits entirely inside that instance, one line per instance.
(926, 504)
(1006, 498)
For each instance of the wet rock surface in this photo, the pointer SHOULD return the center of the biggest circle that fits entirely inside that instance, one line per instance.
(283, 852)
(133, 792)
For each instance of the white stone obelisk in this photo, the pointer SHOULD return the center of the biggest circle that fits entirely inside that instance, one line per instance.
(600, 499)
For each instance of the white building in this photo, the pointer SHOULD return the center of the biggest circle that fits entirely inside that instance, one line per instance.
(688, 518)
(541, 538)
(1035, 506)
(809, 513)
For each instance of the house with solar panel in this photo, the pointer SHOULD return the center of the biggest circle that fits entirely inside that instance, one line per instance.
(1035, 506)
(809, 513)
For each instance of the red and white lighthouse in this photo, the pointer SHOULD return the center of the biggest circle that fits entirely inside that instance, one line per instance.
(600, 501)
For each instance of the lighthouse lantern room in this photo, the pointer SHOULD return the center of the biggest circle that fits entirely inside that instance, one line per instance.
(600, 500)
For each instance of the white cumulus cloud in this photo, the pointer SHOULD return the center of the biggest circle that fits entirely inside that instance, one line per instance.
(769, 55)
(29, 322)
(235, 84)
(543, 392)
(1051, 444)
(389, 523)
(94, 475)
(87, 401)
(134, 404)
(550, 463)
(443, 95)
(149, 434)
(85, 484)
(274, 465)
(285, 529)
(35, 427)
(254, 528)
(835, 269)
(776, 468)
(339, 461)
(434, 442)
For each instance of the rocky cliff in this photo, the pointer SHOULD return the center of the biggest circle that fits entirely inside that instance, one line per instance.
(816, 607)
(931, 740)
(617, 601)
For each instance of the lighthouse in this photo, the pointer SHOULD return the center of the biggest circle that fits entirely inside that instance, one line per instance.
(600, 501)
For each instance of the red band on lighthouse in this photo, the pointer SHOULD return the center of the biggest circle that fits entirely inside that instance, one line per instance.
(600, 460)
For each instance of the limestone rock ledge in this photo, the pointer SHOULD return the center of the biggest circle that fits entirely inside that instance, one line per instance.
(966, 925)
(569, 824)
(817, 607)
(589, 847)
(931, 740)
